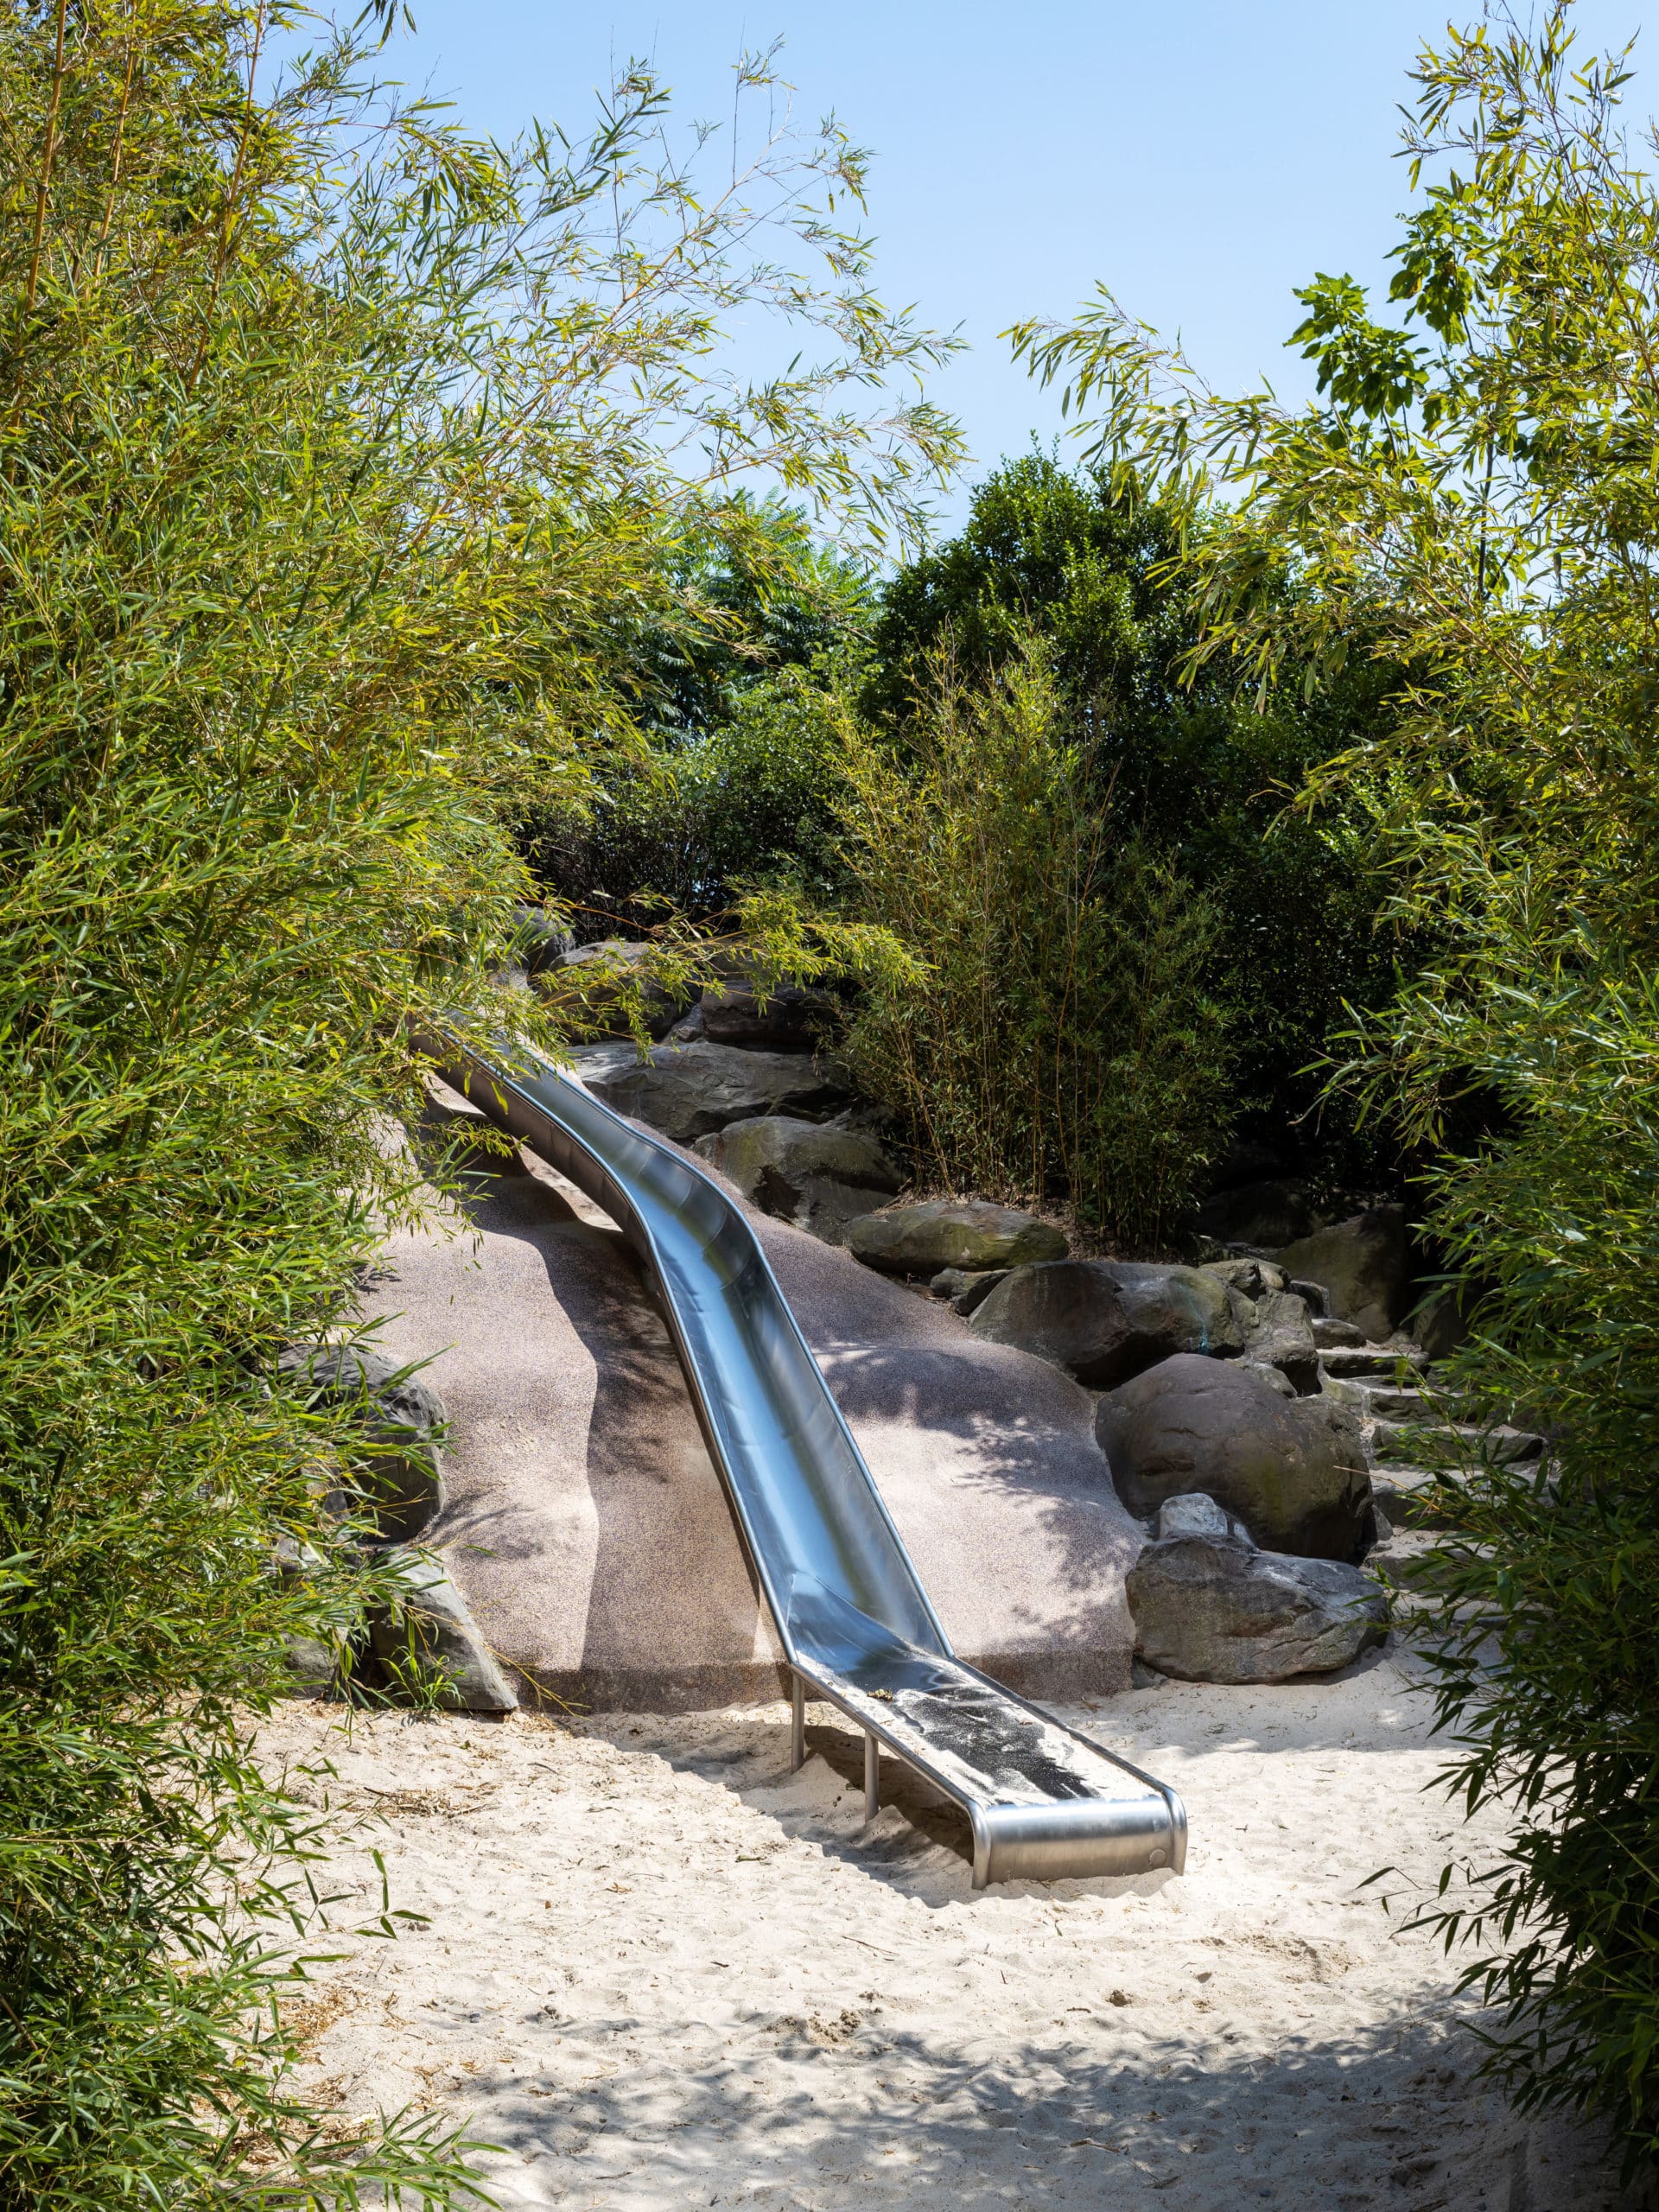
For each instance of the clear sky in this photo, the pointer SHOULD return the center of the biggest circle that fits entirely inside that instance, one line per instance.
(1202, 157)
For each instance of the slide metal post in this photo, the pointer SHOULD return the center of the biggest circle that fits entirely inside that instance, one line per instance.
(796, 1724)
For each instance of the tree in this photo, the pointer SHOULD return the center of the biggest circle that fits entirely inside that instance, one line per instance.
(1474, 493)
(1092, 564)
(335, 450)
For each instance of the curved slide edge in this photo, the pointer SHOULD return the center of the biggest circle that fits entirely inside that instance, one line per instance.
(1044, 1802)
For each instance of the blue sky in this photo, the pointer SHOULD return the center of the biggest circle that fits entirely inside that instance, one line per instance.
(1201, 157)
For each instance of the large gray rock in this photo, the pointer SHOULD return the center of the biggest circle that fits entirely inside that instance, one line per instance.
(792, 1020)
(691, 1090)
(1364, 1264)
(402, 1419)
(1251, 1277)
(1210, 1609)
(433, 1628)
(939, 1233)
(821, 1178)
(1107, 1320)
(1193, 1514)
(539, 941)
(966, 1287)
(1280, 1333)
(1291, 1469)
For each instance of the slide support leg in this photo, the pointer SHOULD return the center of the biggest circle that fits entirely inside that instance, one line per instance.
(872, 1778)
(796, 1724)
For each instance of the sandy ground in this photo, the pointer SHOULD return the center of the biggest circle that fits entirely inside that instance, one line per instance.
(660, 1970)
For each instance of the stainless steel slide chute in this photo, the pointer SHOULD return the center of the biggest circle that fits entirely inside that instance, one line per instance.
(854, 1620)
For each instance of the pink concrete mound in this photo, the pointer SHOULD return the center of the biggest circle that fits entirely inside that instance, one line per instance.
(587, 1526)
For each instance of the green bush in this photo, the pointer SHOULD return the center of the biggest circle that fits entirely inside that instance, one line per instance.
(330, 461)
(686, 827)
(1201, 777)
(1476, 493)
(1059, 1045)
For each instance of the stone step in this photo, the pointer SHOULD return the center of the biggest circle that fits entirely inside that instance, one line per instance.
(1403, 1495)
(1332, 1335)
(1501, 1446)
(1352, 1360)
(1386, 1401)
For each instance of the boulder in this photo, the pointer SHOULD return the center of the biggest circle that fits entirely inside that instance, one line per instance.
(1329, 1334)
(1280, 1384)
(1215, 1610)
(1364, 1265)
(1251, 1277)
(1107, 1320)
(967, 1288)
(599, 984)
(313, 1666)
(1268, 1213)
(1279, 1334)
(791, 1019)
(311, 1669)
(1441, 1320)
(539, 941)
(689, 1091)
(822, 1179)
(1291, 1469)
(966, 1233)
(402, 1419)
(433, 1628)
(1195, 1514)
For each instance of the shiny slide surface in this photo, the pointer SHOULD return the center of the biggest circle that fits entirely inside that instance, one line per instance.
(854, 1623)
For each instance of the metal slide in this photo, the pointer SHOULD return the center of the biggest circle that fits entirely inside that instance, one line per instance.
(854, 1620)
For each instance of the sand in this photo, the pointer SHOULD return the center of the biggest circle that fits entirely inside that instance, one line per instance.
(659, 1970)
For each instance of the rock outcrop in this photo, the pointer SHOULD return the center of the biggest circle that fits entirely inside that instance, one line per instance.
(1210, 1607)
(432, 1634)
(1292, 1469)
(963, 1233)
(402, 1419)
(1108, 1319)
(1365, 1266)
(689, 1091)
(822, 1177)
(788, 1019)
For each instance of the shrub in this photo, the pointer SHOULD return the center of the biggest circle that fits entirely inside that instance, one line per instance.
(1060, 1046)
(750, 800)
(329, 446)
(1476, 493)
(1204, 778)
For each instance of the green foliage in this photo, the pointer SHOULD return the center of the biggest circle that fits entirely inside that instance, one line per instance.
(754, 592)
(1091, 566)
(1059, 1045)
(1478, 496)
(334, 452)
(747, 801)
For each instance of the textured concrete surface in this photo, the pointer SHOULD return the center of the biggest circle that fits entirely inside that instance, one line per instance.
(587, 1525)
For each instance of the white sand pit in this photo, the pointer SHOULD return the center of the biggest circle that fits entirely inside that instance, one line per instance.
(660, 1971)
